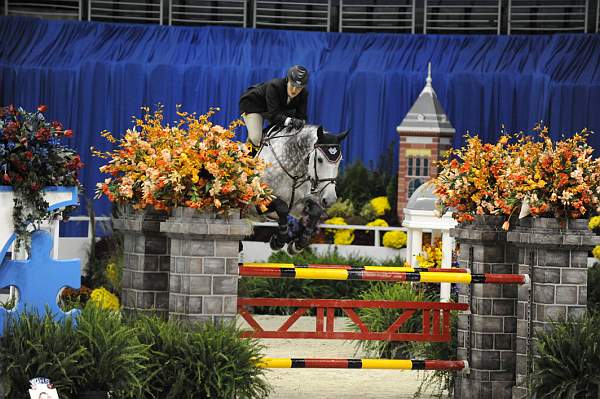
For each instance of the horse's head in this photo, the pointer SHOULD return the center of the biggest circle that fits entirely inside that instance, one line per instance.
(323, 165)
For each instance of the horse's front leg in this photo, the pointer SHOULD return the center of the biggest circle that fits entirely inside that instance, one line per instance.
(281, 238)
(311, 214)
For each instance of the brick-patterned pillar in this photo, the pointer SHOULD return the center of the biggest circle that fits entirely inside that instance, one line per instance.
(486, 336)
(146, 269)
(556, 261)
(204, 264)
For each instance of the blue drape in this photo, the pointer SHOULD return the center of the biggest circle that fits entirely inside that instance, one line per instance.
(95, 76)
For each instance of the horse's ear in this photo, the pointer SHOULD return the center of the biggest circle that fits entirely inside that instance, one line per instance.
(320, 133)
(342, 136)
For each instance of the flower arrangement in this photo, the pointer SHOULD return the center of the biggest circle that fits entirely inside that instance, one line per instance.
(105, 299)
(543, 177)
(394, 239)
(194, 164)
(431, 255)
(31, 158)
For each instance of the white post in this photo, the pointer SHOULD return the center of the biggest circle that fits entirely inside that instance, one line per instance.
(377, 238)
(409, 235)
(417, 246)
(447, 248)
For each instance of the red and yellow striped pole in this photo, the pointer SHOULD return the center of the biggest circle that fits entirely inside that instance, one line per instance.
(351, 267)
(367, 275)
(386, 364)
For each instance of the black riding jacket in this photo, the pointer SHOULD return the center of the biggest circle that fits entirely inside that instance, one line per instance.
(270, 99)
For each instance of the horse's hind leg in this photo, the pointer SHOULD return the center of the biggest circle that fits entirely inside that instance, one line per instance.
(281, 238)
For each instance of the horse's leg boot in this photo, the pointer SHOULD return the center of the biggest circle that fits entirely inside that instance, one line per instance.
(280, 239)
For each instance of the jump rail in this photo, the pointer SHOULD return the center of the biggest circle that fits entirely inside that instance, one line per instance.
(435, 322)
(352, 267)
(369, 275)
(389, 364)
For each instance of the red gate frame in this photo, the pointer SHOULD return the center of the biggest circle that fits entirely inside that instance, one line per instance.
(436, 330)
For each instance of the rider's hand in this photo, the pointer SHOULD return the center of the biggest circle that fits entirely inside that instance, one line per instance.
(297, 123)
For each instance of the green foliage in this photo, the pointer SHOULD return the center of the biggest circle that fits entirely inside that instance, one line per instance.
(341, 208)
(202, 361)
(114, 357)
(360, 184)
(593, 289)
(438, 381)
(36, 346)
(368, 212)
(380, 319)
(569, 354)
(324, 289)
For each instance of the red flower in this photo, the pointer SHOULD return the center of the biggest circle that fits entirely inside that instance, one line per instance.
(57, 125)
(68, 133)
(28, 155)
(42, 108)
(6, 178)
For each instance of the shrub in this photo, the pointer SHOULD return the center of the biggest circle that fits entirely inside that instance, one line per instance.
(342, 208)
(36, 346)
(438, 381)
(381, 319)
(368, 212)
(394, 239)
(200, 361)
(569, 354)
(593, 288)
(114, 358)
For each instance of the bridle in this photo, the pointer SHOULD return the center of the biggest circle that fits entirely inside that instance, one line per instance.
(331, 152)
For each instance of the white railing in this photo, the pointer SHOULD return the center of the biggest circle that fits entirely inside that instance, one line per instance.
(207, 12)
(306, 14)
(547, 16)
(363, 15)
(67, 9)
(462, 15)
(376, 229)
(147, 11)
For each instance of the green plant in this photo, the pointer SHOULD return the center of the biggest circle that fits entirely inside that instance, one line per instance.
(36, 346)
(341, 208)
(567, 365)
(114, 358)
(438, 381)
(380, 319)
(199, 361)
(368, 212)
(593, 288)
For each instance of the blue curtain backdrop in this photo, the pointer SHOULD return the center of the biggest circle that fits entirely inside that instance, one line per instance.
(95, 76)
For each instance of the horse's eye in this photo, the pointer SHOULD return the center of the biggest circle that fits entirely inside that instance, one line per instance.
(320, 160)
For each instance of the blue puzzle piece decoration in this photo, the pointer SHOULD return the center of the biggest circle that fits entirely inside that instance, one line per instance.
(39, 280)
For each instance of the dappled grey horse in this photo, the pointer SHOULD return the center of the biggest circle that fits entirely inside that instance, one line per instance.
(302, 169)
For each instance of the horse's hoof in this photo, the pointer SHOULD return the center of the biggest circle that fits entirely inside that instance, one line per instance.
(275, 243)
(294, 248)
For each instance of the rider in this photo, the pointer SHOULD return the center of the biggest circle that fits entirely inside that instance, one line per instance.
(282, 101)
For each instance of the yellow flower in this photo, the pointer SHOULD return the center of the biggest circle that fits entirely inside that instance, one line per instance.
(594, 223)
(378, 222)
(381, 205)
(343, 237)
(105, 299)
(112, 273)
(394, 239)
(596, 252)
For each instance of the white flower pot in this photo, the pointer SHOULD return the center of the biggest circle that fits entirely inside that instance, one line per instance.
(57, 197)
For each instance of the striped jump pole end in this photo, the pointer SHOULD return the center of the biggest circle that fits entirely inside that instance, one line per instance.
(381, 364)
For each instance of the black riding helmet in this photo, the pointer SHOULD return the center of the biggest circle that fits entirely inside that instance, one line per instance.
(297, 76)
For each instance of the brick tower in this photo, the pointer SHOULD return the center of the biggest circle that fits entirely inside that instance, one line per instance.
(425, 133)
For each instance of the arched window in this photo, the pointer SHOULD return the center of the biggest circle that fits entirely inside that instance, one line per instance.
(413, 185)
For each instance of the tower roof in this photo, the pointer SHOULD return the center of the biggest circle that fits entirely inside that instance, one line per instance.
(427, 114)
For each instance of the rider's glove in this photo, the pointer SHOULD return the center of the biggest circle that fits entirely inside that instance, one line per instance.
(297, 123)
